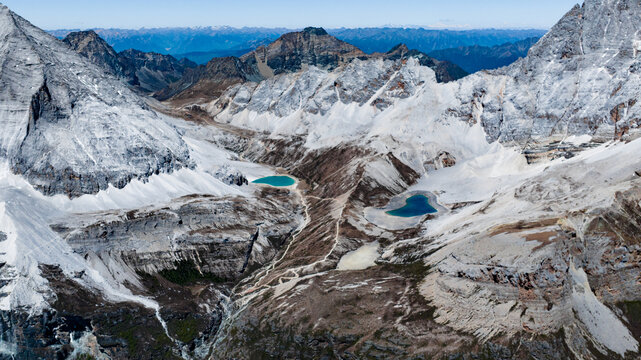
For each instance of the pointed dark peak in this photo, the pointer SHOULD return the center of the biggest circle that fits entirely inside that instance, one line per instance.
(85, 33)
(90, 45)
(86, 42)
(318, 31)
(402, 48)
(148, 72)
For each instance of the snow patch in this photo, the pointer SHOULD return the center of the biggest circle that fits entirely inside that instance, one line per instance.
(360, 259)
(598, 318)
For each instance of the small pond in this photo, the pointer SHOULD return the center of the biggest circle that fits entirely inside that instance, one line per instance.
(277, 181)
(416, 205)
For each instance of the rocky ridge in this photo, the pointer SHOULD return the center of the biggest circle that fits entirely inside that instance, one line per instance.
(291, 53)
(148, 72)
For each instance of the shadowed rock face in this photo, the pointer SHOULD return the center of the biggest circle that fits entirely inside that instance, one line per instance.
(186, 255)
(312, 46)
(209, 80)
(149, 72)
(93, 47)
(445, 71)
(152, 72)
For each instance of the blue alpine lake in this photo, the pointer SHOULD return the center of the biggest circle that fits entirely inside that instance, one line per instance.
(277, 181)
(416, 205)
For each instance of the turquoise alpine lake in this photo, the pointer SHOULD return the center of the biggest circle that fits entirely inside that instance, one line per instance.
(416, 205)
(277, 181)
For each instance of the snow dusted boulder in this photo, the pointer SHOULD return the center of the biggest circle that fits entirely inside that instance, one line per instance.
(68, 126)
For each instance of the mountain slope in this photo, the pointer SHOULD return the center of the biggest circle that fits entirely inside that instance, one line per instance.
(94, 48)
(535, 252)
(312, 47)
(209, 81)
(69, 127)
(148, 72)
(579, 79)
(99, 195)
(291, 53)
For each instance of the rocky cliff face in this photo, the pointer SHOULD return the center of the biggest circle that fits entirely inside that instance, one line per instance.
(578, 79)
(152, 72)
(208, 81)
(312, 47)
(148, 72)
(93, 47)
(61, 127)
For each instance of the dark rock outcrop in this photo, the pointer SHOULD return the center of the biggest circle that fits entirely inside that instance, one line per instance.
(152, 72)
(93, 47)
(446, 71)
(312, 46)
(209, 80)
(148, 72)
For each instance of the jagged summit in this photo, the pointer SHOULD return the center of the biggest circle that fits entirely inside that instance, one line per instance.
(318, 31)
(401, 48)
(90, 45)
(67, 125)
(580, 78)
(595, 27)
(312, 46)
(290, 53)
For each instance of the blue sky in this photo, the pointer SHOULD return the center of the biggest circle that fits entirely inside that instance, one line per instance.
(56, 14)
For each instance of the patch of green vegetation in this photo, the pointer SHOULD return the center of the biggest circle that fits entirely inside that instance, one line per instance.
(85, 357)
(130, 338)
(186, 273)
(141, 337)
(185, 330)
(632, 310)
(416, 270)
(151, 281)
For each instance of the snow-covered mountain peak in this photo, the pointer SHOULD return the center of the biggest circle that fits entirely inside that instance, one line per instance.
(595, 27)
(70, 127)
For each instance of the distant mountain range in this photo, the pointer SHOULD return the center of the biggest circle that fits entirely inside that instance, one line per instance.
(202, 44)
(427, 40)
(475, 58)
(183, 80)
